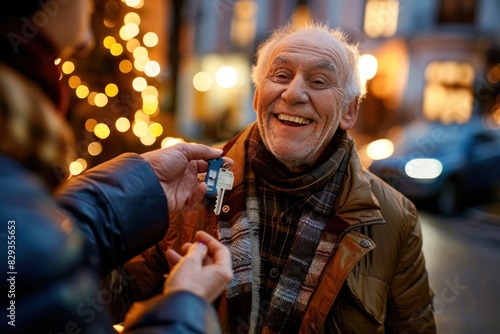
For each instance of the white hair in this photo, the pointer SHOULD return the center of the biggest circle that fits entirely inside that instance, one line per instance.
(354, 87)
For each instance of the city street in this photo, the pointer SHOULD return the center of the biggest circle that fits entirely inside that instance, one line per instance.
(463, 260)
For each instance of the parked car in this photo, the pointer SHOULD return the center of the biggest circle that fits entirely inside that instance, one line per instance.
(447, 167)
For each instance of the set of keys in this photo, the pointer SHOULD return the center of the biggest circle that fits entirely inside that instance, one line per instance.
(218, 180)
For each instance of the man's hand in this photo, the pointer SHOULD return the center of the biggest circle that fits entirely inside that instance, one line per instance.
(205, 270)
(177, 167)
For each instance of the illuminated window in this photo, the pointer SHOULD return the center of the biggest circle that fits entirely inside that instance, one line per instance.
(457, 11)
(381, 18)
(448, 92)
(244, 22)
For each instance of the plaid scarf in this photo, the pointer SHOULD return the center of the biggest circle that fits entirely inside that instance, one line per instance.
(312, 240)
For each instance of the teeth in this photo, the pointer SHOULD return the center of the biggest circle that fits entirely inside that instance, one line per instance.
(295, 119)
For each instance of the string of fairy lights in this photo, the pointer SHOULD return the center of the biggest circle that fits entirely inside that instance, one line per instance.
(138, 44)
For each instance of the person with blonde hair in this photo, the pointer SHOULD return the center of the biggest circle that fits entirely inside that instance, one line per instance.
(59, 236)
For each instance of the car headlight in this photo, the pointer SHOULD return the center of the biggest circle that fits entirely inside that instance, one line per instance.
(380, 149)
(424, 169)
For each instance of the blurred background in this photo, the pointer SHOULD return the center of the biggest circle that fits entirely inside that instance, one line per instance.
(165, 69)
(170, 70)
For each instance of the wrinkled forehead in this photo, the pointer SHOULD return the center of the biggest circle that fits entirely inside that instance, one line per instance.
(314, 45)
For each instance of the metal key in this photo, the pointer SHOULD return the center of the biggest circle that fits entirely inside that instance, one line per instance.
(224, 182)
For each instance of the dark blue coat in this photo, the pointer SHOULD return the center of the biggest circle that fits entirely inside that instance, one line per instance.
(55, 249)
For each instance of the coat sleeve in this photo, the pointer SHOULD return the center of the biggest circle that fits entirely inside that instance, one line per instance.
(180, 312)
(120, 206)
(410, 298)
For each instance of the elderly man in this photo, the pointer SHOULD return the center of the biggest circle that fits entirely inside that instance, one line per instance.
(318, 243)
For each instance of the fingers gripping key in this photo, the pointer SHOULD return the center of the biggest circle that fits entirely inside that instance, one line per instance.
(218, 180)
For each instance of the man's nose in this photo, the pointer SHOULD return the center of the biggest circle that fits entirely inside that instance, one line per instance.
(296, 91)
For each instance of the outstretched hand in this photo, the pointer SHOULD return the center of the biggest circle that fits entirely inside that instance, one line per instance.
(177, 167)
(205, 270)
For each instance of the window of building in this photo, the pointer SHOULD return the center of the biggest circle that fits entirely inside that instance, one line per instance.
(457, 11)
(381, 18)
(448, 92)
(244, 22)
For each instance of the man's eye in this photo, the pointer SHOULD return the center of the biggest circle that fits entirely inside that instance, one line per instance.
(320, 83)
(280, 77)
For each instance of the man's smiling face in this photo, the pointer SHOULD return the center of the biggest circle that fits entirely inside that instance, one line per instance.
(300, 102)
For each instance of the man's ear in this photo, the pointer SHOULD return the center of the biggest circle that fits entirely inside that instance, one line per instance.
(350, 114)
(255, 99)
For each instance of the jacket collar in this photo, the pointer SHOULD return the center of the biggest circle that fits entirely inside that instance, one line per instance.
(355, 204)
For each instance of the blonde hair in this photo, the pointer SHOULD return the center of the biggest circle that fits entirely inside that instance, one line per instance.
(354, 87)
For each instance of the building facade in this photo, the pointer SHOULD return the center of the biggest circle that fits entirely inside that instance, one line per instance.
(437, 59)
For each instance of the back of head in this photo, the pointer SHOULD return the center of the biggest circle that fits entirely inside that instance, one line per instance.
(20, 8)
(32, 131)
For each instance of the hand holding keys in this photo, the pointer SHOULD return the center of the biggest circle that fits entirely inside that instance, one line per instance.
(218, 180)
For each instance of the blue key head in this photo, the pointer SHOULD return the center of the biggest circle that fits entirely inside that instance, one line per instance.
(214, 165)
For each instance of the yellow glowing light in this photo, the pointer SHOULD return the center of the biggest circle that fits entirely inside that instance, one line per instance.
(140, 128)
(91, 98)
(368, 66)
(82, 91)
(74, 81)
(150, 39)
(152, 68)
(226, 77)
(108, 41)
(129, 31)
(140, 51)
(381, 18)
(94, 148)
(169, 141)
(82, 162)
(149, 98)
(116, 49)
(133, 44)
(150, 90)
(125, 66)
(156, 129)
(380, 149)
(139, 84)
(111, 90)
(90, 124)
(101, 100)
(68, 67)
(57, 61)
(102, 131)
(133, 3)
(118, 328)
(140, 63)
(148, 140)
(75, 168)
(150, 108)
(122, 124)
(132, 17)
(141, 116)
(202, 81)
